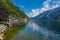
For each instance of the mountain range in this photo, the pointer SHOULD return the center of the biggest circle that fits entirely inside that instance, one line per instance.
(50, 14)
(49, 20)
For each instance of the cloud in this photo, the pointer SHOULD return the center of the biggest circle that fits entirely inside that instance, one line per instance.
(34, 12)
(20, 5)
(47, 5)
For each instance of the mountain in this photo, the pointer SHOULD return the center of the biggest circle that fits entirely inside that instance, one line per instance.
(12, 9)
(51, 14)
(49, 20)
(9, 11)
(4, 14)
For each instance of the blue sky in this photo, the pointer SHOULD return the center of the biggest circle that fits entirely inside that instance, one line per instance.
(28, 5)
(34, 7)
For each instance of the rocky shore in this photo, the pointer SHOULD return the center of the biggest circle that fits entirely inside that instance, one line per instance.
(11, 23)
(2, 28)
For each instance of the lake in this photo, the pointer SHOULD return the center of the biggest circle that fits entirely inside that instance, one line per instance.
(39, 30)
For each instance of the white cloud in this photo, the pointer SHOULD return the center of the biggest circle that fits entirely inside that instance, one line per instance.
(47, 5)
(20, 5)
(33, 13)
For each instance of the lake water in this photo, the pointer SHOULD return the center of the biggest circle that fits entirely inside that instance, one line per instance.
(39, 30)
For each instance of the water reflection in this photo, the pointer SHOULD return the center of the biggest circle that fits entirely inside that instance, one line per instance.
(36, 31)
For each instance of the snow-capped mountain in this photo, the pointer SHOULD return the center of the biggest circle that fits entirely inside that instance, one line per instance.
(51, 14)
(47, 5)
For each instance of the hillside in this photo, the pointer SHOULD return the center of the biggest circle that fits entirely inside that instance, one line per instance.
(49, 15)
(11, 17)
(12, 9)
(50, 20)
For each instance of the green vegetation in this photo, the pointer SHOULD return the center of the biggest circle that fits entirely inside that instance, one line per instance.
(57, 21)
(12, 9)
(14, 12)
(10, 32)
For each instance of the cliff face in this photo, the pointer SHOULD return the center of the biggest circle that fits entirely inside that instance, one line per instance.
(8, 11)
(4, 14)
(12, 9)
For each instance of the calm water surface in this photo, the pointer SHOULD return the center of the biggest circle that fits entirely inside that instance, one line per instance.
(39, 30)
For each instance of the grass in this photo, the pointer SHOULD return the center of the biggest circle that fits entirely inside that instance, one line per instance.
(12, 9)
(15, 12)
(10, 32)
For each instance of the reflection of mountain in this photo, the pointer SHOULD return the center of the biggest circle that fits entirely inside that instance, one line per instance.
(49, 20)
(51, 14)
(49, 25)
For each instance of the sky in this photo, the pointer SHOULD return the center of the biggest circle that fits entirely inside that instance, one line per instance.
(33, 8)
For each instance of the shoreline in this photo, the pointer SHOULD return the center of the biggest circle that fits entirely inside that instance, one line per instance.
(2, 29)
